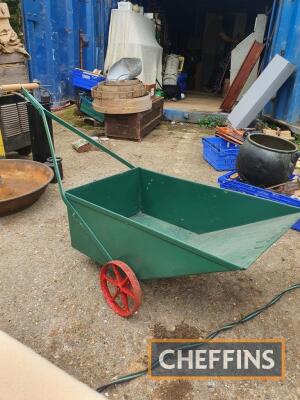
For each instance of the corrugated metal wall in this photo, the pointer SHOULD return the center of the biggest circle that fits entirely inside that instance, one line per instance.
(52, 30)
(286, 42)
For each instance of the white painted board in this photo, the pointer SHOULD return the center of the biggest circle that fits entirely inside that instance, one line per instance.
(240, 52)
(261, 92)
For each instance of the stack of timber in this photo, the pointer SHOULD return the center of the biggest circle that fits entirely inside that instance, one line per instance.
(121, 97)
(230, 134)
(283, 134)
(13, 69)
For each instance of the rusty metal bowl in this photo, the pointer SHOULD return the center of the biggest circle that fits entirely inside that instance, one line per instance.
(22, 182)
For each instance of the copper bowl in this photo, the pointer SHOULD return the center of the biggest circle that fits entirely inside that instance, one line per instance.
(22, 182)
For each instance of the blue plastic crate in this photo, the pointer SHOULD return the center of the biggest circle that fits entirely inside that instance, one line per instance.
(85, 79)
(219, 153)
(235, 184)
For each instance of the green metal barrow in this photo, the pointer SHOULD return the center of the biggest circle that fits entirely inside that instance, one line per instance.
(163, 226)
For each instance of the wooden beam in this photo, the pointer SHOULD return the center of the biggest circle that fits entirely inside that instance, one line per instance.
(242, 76)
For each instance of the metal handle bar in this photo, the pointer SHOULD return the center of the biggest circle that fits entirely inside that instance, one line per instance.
(44, 114)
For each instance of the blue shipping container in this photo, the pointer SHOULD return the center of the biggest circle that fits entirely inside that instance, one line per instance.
(285, 41)
(52, 30)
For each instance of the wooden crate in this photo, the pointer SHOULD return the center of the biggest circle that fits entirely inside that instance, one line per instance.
(135, 126)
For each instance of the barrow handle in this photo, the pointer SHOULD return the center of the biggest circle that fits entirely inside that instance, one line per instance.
(75, 213)
(72, 128)
(93, 142)
(42, 113)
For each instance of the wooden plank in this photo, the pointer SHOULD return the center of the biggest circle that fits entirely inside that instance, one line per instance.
(123, 106)
(13, 73)
(232, 135)
(230, 138)
(12, 58)
(14, 87)
(119, 90)
(242, 76)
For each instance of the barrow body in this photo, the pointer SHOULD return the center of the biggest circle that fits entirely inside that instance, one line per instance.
(167, 227)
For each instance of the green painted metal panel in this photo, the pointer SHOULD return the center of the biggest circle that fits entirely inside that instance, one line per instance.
(200, 208)
(118, 193)
(166, 227)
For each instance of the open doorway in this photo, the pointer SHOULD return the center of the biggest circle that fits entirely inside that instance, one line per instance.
(205, 32)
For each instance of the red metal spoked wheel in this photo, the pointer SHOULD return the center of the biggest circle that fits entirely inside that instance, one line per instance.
(120, 288)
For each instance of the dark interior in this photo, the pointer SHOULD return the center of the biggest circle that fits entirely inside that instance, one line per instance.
(272, 142)
(191, 29)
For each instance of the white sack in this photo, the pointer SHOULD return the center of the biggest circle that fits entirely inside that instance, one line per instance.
(133, 35)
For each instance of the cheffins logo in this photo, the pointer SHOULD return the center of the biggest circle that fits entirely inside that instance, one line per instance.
(217, 359)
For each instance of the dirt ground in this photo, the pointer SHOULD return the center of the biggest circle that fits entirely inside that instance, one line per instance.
(50, 298)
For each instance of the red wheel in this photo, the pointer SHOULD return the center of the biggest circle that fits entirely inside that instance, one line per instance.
(120, 288)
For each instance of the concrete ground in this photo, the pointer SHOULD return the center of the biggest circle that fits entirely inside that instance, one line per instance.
(196, 101)
(50, 298)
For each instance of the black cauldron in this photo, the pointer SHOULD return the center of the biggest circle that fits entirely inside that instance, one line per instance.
(266, 160)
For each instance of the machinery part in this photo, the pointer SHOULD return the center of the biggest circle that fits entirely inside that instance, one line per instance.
(39, 142)
(126, 68)
(120, 288)
(266, 160)
(22, 183)
(14, 123)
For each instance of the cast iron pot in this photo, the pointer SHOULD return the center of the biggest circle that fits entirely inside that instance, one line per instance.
(266, 160)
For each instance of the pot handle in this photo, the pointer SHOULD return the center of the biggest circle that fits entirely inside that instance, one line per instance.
(295, 157)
